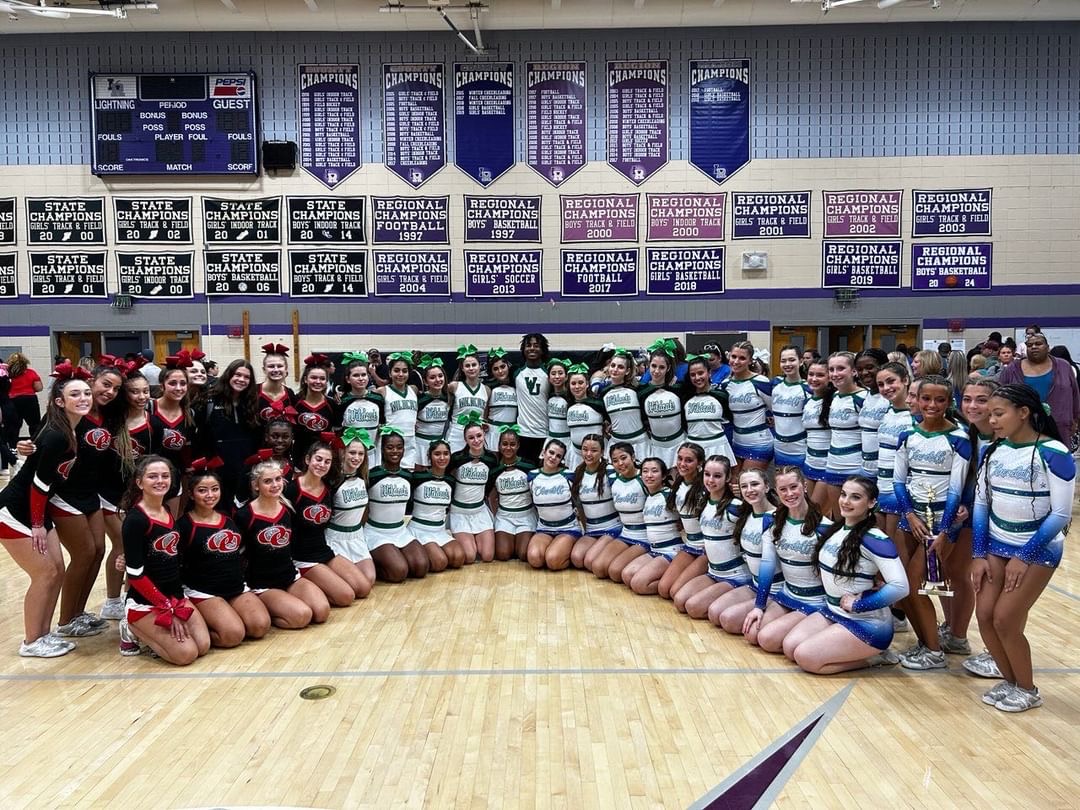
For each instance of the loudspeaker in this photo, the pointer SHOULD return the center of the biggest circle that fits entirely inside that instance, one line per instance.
(279, 155)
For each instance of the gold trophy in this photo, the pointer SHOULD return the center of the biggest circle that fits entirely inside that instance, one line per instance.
(934, 584)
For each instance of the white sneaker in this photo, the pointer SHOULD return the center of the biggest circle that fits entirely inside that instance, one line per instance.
(982, 665)
(129, 644)
(1018, 699)
(996, 693)
(41, 648)
(113, 608)
(901, 625)
(923, 658)
(57, 641)
(82, 626)
(885, 658)
(951, 645)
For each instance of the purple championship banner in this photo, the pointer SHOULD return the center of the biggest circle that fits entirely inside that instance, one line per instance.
(502, 219)
(952, 212)
(501, 273)
(685, 217)
(67, 275)
(685, 270)
(322, 272)
(861, 264)
(856, 213)
(414, 121)
(242, 272)
(952, 266)
(156, 275)
(599, 217)
(770, 214)
(329, 117)
(484, 119)
(8, 232)
(600, 273)
(410, 220)
(410, 273)
(9, 275)
(719, 116)
(637, 118)
(555, 119)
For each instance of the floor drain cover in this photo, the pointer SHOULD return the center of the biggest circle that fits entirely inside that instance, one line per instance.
(317, 692)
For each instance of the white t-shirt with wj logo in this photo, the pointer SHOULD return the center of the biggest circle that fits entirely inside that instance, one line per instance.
(533, 390)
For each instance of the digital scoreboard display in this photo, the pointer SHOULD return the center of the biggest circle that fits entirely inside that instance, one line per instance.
(186, 123)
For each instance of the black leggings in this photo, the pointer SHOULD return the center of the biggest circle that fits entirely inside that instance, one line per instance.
(26, 410)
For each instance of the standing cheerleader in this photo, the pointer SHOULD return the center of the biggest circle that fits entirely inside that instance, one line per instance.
(928, 472)
(502, 404)
(400, 406)
(196, 377)
(433, 406)
(230, 429)
(316, 413)
(172, 424)
(643, 574)
(558, 403)
(661, 404)
(622, 405)
(1023, 504)
(361, 408)
(468, 394)
(272, 389)
(312, 497)
(533, 390)
(584, 415)
(628, 495)
(432, 493)
(158, 613)
(726, 568)
(345, 531)
(816, 422)
(24, 525)
(892, 382)
(704, 411)
(395, 550)
(212, 569)
(591, 491)
(557, 527)
(472, 472)
(867, 364)
(856, 629)
(792, 544)
(845, 435)
(750, 400)
(266, 528)
(511, 498)
(755, 518)
(789, 396)
(687, 499)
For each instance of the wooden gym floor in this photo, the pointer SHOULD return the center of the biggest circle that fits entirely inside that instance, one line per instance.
(498, 686)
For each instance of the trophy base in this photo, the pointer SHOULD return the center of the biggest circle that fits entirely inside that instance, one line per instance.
(936, 589)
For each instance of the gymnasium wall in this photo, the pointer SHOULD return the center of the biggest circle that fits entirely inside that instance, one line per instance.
(834, 107)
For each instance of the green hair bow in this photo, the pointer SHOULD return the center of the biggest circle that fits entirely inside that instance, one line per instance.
(427, 361)
(555, 361)
(497, 352)
(354, 357)
(578, 368)
(692, 357)
(391, 430)
(406, 356)
(624, 352)
(515, 429)
(665, 345)
(470, 418)
(466, 350)
(355, 434)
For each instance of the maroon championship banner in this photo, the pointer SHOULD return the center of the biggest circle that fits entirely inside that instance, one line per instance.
(862, 213)
(599, 217)
(685, 217)
(637, 118)
(555, 119)
(410, 273)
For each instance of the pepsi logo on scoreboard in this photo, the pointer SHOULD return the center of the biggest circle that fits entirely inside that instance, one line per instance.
(230, 86)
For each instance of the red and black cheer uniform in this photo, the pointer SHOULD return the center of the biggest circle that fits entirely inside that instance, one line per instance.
(78, 493)
(266, 403)
(23, 501)
(311, 420)
(152, 557)
(313, 512)
(172, 439)
(114, 477)
(267, 547)
(213, 557)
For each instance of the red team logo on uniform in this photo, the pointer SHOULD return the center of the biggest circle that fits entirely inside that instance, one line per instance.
(266, 414)
(173, 439)
(225, 541)
(137, 449)
(64, 470)
(315, 422)
(274, 536)
(99, 438)
(317, 514)
(167, 543)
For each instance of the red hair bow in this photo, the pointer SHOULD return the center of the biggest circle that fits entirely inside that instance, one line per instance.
(316, 359)
(262, 455)
(187, 358)
(332, 439)
(283, 411)
(275, 348)
(206, 464)
(181, 360)
(66, 371)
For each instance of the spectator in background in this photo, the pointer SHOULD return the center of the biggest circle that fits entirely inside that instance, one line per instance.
(7, 419)
(719, 370)
(1054, 380)
(87, 362)
(1007, 353)
(811, 356)
(377, 370)
(926, 363)
(58, 360)
(944, 349)
(25, 385)
(211, 372)
(152, 372)
(989, 350)
(977, 365)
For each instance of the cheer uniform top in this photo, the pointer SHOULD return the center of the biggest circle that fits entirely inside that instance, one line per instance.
(597, 503)
(431, 505)
(515, 513)
(266, 402)
(152, 561)
(345, 531)
(472, 478)
(533, 389)
(688, 517)
(311, 420)
(793, 552)
(267, 542)
(172, 438)
(623, 408)
(389, 493)
(212, 557)
(77, 494)
(23, 501)
(309, 546)
(870, 417)
(845, 437)
(818, 438)
(664, 415)
(726, 563)
(466, 400)
(432, 419)
(930, 468)
(557, 406)
(583, 418)
(628, 496)
(1023, 501)
(752, 544)
(750, 402)
(894, 424)
(365, 412)
(706, 424)
(661, 525)
(789, 434)
(870, 620)
(502, 410)
(400, 408)
(553, 503)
